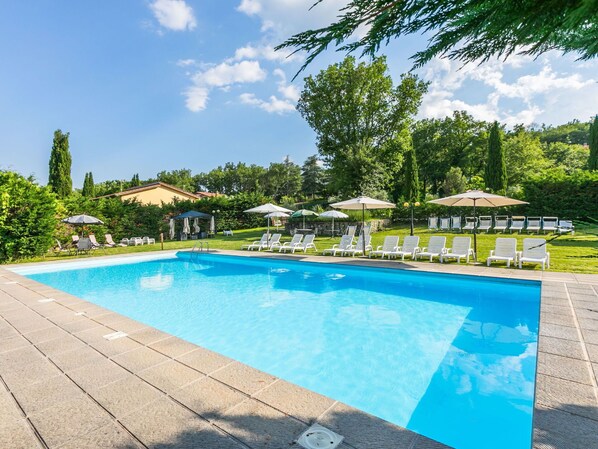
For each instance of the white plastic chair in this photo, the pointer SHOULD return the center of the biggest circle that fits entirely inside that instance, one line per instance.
(433, 223)
(445, 224)
(534, 224)
(261, 242)
(470, 224)
(550, 224)
(358, 248)
(505, 249)
(436, 248)
(338, 248)
(517, 224)
(534, 251)
(566, 226)
(456, 223)
(461, 249)
(501, 223)
(485, 223)
(391, 242)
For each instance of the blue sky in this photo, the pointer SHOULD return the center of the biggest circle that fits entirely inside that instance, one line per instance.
(150, 85)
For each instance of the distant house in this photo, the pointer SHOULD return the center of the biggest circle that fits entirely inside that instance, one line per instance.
(155, 193)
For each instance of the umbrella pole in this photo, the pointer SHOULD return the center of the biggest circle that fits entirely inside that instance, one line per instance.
(475, 240)
(268, 232)
(304, 222)
(332, 233)
(363, 227)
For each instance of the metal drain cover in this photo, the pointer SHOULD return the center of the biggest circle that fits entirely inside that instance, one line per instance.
(318, 437)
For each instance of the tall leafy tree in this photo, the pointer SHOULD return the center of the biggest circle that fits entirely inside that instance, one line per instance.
(59, 178)
(179, 178)
(359, 117)
(411, 178)
(495, 175)
(467, 30)
(454, 182)
(593, 158)
(313, 177)
(523, 155)
(282, 179)
(135, 182)
(88, 186)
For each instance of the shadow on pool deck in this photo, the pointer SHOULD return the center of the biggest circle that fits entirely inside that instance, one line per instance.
(566, 427)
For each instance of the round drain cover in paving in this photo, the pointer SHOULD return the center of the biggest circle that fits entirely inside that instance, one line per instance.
(318, 437)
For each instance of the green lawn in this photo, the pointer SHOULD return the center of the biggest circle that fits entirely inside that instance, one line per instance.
(578, 253)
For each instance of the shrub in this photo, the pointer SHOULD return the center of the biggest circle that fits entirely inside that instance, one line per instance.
(27, 217)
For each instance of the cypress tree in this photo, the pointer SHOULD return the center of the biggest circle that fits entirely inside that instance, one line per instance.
(135, 180)
(495, 175)
(89, 188)
(411, 187)
(593, 158)
(59, 178)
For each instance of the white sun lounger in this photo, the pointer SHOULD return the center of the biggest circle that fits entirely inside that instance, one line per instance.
(358, 247)
(410, 248)
(485, 223)
(391, 242)
(307, 243)
(501, 223)
(436, 248)
(566, 226)
(148, 241)
(550, 224)
(445, 224)
(273, 243)
(534, 224)
(351, 231)
(263, 242)
(433, 223)
(470, 224)
(456, 223)
(461, 249)
(111, 243)
(505, 249)
(517, 224)
(534, 251)
(338, 248)
(297, 238)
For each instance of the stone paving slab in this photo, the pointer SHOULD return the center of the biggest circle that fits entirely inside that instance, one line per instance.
(151, 389)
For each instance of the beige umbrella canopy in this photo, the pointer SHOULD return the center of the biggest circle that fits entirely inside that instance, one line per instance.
(362, 203)
(267, 209)
(477, 198)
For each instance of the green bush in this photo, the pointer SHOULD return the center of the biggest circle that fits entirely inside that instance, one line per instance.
(27, 217)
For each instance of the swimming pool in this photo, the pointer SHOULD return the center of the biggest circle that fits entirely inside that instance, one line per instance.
(450, 357)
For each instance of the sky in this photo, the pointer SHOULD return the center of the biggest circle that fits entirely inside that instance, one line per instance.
(149, 85)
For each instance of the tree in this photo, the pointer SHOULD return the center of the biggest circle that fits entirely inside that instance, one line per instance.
(59, 178)
(27, 217)
(523, 156)
(88, 186)
(313, 177)
(135, 182)
(495, 175)
(593, 158)
(468, 30)
(571, 132)
(282, 179)
(359, 118)
(568, 157)
(454, 182)
(411, 179)
(179, 178)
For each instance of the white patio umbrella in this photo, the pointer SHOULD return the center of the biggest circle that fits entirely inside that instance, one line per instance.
(477, 198)
(196, 225)
(276, 215)
(333, 214)
(171, 229)
(82, 220)
(186, 228)
(212, 226)
(267, 209)
(304, 213)
(362, 203)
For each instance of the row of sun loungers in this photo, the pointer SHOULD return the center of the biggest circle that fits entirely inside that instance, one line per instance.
(271, 242)
(502, 223)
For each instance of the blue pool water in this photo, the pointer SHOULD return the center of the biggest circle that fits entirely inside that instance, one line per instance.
(450, 357)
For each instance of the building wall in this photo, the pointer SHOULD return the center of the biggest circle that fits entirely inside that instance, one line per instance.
(156, 196)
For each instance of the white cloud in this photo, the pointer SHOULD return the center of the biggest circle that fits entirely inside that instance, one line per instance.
(250, 7)
(288, 91)
(225, 74)
(185, 62)
(175, 15)
(196, 98)
(273, 105)
(266, 52)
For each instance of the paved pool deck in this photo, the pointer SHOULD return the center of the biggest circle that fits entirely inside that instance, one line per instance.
(63, 385)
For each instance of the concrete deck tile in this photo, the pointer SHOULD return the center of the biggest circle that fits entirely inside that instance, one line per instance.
(127, 325)
(18, 435)
(140, 359)
(296, 401)
(588, 324)
(592, 352)
(364, 431)
(260, 426)
(59, 345)
(110, 436)
(6, 330)
(25, 366)
(46, 393)
(111, 348)
(567, 396)
(590, 336)
(564, 368)
(98, 374)
(587, 314)
(29, 324)
(48, 333)
(173, 347)
(165, 424)
(208, 397)
(244, 378)
(77, 324)
(126, 396)
(421, 442)
(557, 310)
(109, 318)
(558, 331)
(170, 376)
(148, 335)
(559, 429)
(76, 358)
(16, 342)
(9, 410)
(69, 420)
(205, 360)
(561, 320)
(558, 346)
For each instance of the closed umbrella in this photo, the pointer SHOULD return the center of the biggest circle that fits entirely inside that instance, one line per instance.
(186, 228)
(333, 214)
(362, 203)
(477, 198)
(196, 225)
(212, 226)
(304, 213)
(171, 229)
(266, 209)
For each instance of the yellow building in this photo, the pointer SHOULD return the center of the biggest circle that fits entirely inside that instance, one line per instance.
(155, 193)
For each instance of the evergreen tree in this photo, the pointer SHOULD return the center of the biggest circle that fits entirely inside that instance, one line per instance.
(313, 176)
(496, 169)
(59, 178)
(593, 159)
(135, 182)
(411, 187)
(89, 188)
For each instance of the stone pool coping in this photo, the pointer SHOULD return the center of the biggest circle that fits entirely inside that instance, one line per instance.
(63, 385)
